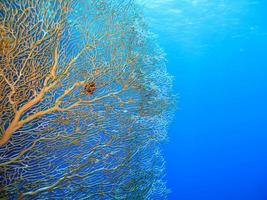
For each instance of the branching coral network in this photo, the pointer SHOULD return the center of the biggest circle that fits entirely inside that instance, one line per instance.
(85, 100)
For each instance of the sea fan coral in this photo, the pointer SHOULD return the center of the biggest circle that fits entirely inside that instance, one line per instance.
(85, 100)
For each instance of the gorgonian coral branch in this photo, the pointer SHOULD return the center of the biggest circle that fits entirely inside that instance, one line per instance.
(85, 99)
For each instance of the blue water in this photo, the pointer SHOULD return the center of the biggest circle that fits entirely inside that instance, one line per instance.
(217, 51)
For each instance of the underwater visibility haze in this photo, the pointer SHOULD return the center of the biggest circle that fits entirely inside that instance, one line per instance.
(217, 52)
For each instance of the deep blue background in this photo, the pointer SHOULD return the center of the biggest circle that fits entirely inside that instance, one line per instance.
(217, 51)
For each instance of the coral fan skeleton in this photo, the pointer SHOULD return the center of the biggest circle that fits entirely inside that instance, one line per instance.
(58, 142)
